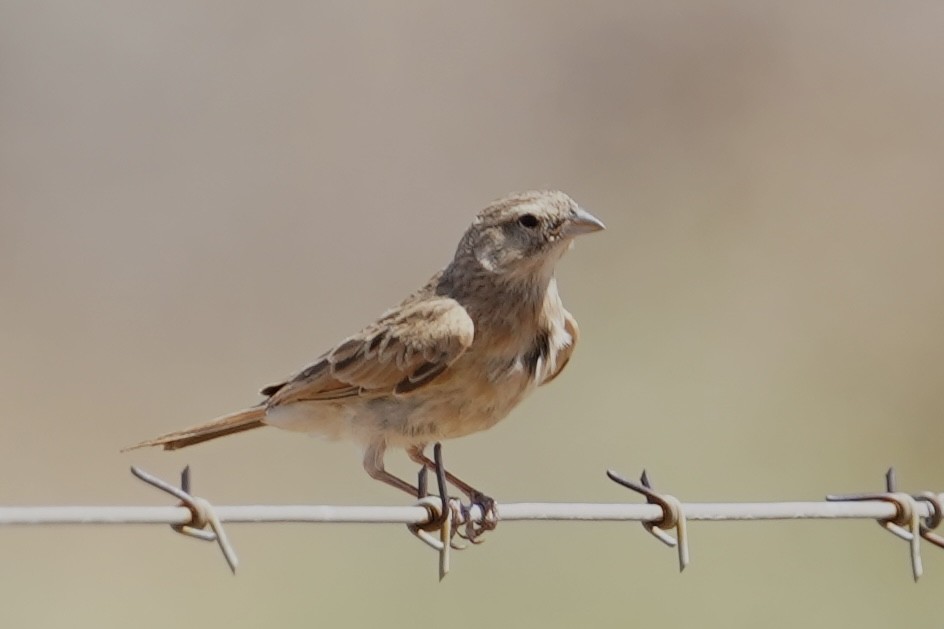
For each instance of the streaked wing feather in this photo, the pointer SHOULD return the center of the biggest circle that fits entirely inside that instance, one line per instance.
(406, 349)
(425, 373)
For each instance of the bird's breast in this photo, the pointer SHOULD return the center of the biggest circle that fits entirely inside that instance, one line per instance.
(485, 384)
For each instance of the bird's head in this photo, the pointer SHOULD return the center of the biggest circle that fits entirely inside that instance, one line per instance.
(523, 235)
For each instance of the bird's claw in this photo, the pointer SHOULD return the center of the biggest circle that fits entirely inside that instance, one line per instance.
(474, 530)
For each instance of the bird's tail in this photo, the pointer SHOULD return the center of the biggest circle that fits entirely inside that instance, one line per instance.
(220, 427)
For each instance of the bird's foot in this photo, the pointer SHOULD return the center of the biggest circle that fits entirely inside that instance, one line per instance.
(489, 517)
(486, 505)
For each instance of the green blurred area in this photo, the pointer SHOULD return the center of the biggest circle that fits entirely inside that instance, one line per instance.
(198, 198)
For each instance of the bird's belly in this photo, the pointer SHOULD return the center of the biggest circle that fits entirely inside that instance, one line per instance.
(330, 419)
(459, 407)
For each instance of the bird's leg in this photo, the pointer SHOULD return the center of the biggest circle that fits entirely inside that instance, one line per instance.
(417, 456)
(374, 466)
(486, 503)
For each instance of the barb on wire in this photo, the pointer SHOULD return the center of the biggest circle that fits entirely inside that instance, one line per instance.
(673, 515)
(441, 514)
(202, 514)
(906, 522)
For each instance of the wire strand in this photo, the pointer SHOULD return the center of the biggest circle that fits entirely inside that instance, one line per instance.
(508, 512)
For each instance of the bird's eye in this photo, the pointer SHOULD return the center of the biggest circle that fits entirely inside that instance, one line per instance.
(528, 220)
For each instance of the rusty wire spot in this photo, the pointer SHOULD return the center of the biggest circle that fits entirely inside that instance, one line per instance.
(933, 520)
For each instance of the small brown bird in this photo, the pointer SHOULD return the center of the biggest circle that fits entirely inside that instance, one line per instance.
(452, 359)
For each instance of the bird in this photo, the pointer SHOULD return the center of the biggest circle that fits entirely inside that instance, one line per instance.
(452, 359)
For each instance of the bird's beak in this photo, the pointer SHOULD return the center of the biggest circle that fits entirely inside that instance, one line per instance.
(582, 222)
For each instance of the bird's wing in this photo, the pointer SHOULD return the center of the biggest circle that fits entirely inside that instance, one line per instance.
(570, 324)
(405, 349)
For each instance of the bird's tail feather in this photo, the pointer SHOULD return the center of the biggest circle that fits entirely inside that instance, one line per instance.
(220, 427)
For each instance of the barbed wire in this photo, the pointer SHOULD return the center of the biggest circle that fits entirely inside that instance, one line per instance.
(912, 517)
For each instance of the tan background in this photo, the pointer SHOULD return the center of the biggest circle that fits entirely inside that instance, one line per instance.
(197, 198)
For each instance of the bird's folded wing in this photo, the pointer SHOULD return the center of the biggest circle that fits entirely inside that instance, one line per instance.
(407, 348)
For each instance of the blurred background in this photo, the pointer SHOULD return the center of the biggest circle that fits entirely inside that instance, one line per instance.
(196, 199)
